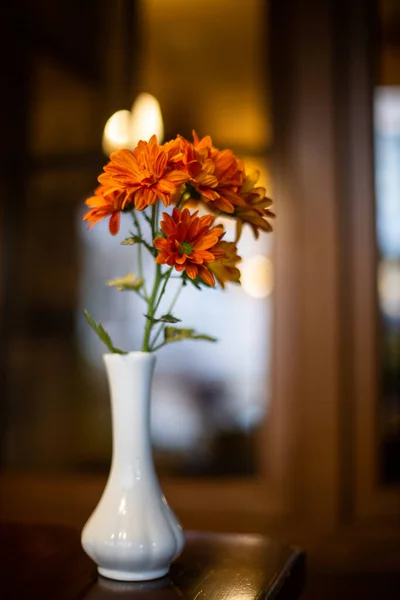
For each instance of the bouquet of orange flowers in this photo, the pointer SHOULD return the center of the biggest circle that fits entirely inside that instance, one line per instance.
(183, 175)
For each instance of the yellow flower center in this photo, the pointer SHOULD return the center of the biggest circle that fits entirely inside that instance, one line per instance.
(185, 248)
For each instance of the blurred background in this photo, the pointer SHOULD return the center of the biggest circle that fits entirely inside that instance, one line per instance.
(290, 424)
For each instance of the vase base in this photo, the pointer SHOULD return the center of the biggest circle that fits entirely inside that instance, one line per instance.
(132, 575)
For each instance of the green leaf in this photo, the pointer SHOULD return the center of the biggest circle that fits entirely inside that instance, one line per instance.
(164, 319)
(102, 334)
(175, 334)
(128, 282)
(169, 319)
(130, 241)
(136, 239)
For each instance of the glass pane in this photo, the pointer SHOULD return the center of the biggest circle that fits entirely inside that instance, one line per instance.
(387, 177)
(209, 400)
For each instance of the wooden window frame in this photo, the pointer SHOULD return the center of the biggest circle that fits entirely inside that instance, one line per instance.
(318, 445)
(320, 448)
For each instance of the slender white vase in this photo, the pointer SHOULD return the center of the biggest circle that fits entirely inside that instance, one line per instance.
(132, 535)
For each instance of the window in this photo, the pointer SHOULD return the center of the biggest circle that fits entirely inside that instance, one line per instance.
(210, 401)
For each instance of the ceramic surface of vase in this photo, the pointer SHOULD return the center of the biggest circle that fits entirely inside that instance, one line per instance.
(132, 535)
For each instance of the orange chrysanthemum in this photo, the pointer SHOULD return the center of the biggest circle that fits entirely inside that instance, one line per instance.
(102, 206)
(190, 243)
(225, 269)
(255, 211)
(216, 176)
(145, 175)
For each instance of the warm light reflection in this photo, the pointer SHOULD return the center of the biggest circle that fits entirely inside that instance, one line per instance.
(256, 276)
(125, 128)
(117, 132)
(146, 119)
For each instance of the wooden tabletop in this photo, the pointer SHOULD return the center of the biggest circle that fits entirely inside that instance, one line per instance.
(46, 561)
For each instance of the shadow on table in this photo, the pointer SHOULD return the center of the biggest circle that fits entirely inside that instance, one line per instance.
(103, 589)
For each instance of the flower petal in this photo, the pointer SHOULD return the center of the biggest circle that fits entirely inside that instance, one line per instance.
(206, 275)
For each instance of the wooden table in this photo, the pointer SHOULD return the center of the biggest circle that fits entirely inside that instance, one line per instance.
(47, 562)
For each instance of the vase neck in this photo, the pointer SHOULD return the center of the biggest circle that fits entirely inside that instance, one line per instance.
(130, 378)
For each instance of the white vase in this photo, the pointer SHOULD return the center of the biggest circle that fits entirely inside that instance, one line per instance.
(132, 535)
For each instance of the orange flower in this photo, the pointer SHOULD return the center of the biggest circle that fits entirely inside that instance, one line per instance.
(255, 211)
(216, 176)
(103, 206)
(190, 243)
(225, 269)
(145, 175)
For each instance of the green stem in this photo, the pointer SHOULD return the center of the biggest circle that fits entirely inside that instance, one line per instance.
(140, 259)
(152, 301)
(157, 219)
(166, 278)
(153, 221)
(162, 326)
(175, 298)
(180, 201)
(146, 216)
(151, 310)
(159, 346)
